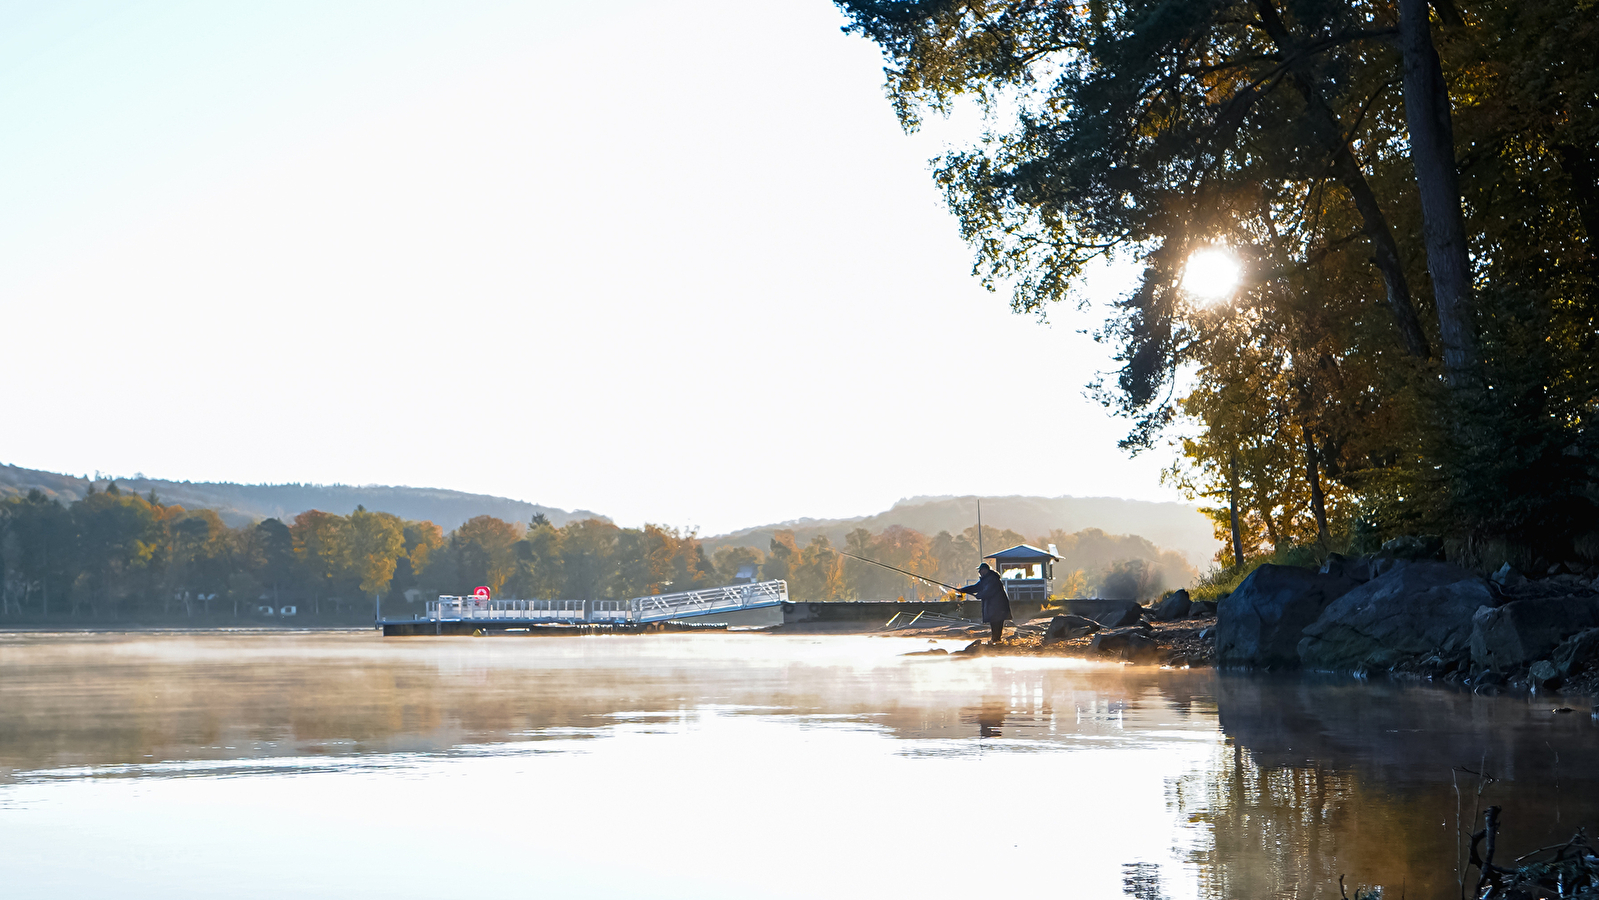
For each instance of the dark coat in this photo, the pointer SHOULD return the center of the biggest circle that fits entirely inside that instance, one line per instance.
(991, 590)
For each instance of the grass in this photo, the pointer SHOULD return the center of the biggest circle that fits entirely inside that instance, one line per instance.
(1219, 581)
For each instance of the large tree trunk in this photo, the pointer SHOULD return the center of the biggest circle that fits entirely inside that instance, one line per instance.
(1328, 130)
(1432, 153)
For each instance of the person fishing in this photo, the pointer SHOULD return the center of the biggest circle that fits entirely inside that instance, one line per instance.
(996, 603)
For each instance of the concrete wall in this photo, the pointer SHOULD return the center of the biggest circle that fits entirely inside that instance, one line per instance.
(883, 610)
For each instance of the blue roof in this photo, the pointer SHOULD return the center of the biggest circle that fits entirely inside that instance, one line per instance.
(1022, 553)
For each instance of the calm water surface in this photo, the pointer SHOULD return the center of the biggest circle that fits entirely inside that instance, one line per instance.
(315, 765)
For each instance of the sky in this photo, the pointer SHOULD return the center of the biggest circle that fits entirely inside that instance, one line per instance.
(674, 263)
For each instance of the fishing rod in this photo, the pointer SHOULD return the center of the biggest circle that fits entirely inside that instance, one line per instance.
(922, 578)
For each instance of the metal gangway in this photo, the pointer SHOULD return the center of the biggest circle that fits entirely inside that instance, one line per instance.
(660, 607)
(654, 608)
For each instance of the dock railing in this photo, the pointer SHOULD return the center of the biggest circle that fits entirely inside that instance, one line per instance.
(483, 608)
(661, 607)
(655, 608)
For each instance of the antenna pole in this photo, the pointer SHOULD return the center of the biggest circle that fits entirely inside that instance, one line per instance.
(979, 529)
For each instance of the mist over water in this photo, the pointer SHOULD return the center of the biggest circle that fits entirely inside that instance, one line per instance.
(322, 765)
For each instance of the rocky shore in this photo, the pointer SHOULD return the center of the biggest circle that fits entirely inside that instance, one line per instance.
(1418, 617)
(1130, 634)
(1402, 613)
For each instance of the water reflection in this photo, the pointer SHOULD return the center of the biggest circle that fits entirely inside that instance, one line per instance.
(1323, 778)
(1051, 776)
(117, 701)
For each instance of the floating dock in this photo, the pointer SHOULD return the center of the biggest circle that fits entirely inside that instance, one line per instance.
(761, 605)
(758, 605)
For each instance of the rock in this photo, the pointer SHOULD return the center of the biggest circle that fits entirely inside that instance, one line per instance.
(1108, 613)
(1379, 660)
(936, 651)
(1414, 610)
(1543, 673)
(1064, 628)
(1521, 631)
(1489, 679)
(1577, 654)
(1415, 547)
(1341, 566)
(975, 648)
(1507, 576)
(1201, 609)
(1261, 623)
(1171, 607)
(1131, 644)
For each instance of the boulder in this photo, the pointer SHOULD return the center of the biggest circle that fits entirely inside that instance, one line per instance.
(1131, 644)
(1261, 622)
(1521, 631)
(1543, 673)
(1577, 653)
(1201, 609)
(1064, 628)
(1340, 565)
(1507, 576)
(1414, 610)
(1108, 613)
(1171, 607)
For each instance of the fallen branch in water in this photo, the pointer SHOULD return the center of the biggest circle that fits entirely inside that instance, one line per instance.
(1566, 870)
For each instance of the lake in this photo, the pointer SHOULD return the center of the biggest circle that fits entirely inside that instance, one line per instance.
(343, 764)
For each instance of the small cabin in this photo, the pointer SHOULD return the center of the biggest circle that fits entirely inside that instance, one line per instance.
(1027, 572)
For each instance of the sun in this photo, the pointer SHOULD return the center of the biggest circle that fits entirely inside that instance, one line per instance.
(1212, 273)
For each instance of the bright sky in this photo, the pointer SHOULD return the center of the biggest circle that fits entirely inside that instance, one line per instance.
(669, 262)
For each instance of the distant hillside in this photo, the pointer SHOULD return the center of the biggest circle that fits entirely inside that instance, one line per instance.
(239, 504)
(1173, 526)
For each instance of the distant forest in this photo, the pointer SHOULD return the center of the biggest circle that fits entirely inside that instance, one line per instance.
(115, 554)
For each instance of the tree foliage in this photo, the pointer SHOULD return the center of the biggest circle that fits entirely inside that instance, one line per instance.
(1374, 364)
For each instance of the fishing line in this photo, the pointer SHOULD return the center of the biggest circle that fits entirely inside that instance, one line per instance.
(922, 578)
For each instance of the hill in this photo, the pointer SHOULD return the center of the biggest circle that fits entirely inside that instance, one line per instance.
(1173, 526)
(239, 504)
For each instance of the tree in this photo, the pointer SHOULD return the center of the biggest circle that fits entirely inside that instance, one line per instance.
(729, 560)
(1432, 153)
(548, 576)
(319, 550)
(901, 547)
(374, 542)
(117, 535)
(818, 572)
(782, 555)
(422, 539)
(274, 546)
(955, 557)
(44, 535)
(483, 548)
(1133, 579)
(1325, 144)
(202, 556)
(588, 554)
